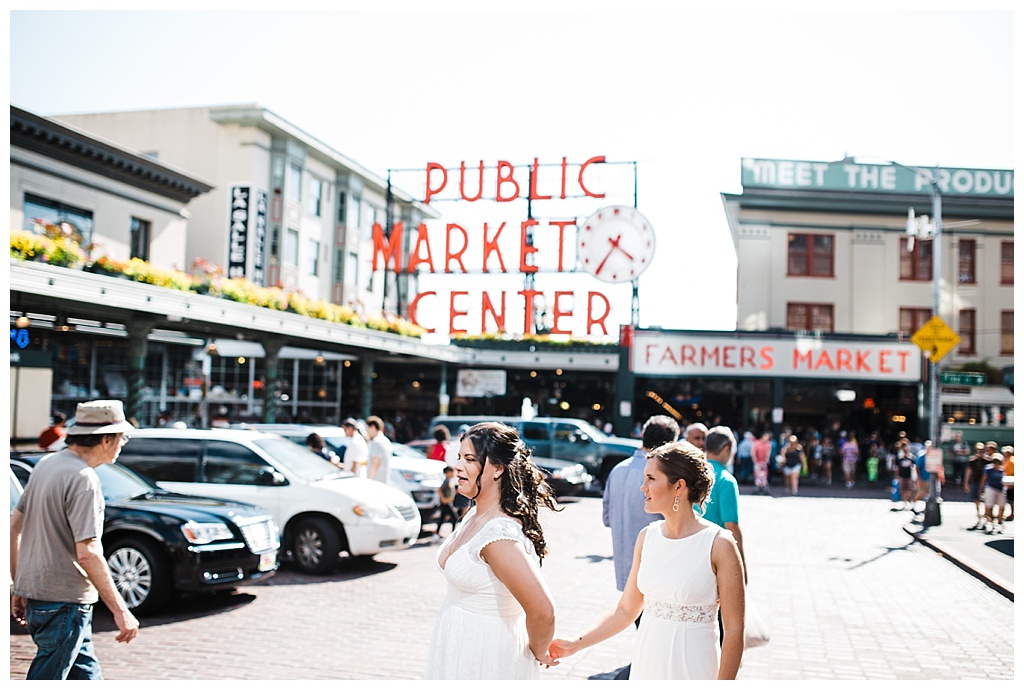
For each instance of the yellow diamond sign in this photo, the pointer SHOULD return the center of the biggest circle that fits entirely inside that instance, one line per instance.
(936, 338)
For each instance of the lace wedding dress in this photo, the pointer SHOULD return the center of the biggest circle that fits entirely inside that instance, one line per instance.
(678, 635)
(480, 631)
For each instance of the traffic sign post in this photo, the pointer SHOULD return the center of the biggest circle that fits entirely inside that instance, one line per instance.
(935, 338)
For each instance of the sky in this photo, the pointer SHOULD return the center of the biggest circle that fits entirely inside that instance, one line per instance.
(686, 94)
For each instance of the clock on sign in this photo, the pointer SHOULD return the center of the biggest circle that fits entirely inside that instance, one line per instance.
(616, 244)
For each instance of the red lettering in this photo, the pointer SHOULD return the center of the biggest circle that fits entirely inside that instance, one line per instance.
(505, 167)
(558, 313)
(883, 367)
(565, 164)
(414, 304)
(647, 352)
(706, 354)
(769, 360)
(746, 356)
(491, 245)
(562, 224)
(525, 248)
(390, 249)
(804, 358)
(487, 306)
(444, 180)
(453, 312)
(533, 182)
(903, 360)
(599, 321)
(688, 353)
(862, 361)
(528, 296)
(414, 256)
(825, 360)
(462, 182)
(726, 355)
(669, 355)
(595, 159)
(843, 359)
(448, 253)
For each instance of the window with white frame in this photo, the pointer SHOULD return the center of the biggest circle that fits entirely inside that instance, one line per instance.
(291, 247)
(293, 182)
(313, 200)
(313, 258)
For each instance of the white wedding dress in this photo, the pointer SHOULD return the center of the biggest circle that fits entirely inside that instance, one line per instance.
(480, 631)
(678, 635)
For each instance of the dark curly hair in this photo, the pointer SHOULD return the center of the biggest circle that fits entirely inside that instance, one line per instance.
(683, 460)
(523, 488)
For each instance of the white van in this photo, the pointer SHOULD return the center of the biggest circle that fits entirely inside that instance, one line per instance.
(321, 509)
(411, 471)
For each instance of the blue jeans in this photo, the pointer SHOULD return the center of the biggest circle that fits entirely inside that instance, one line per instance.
(63, 635)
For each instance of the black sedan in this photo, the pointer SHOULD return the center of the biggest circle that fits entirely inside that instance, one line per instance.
(158, 543)
(565, 477)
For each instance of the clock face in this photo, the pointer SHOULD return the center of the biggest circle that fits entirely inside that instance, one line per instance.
(616, 244)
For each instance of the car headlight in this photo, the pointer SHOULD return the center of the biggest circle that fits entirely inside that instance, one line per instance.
(375, 511)
(205, 532)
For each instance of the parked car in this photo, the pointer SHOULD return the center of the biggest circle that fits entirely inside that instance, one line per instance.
(562, 438)
(566, 478)
(322, 510)
(158, 543)
(411, 472)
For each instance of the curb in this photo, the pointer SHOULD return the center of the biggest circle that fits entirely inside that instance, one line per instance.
(992, 580)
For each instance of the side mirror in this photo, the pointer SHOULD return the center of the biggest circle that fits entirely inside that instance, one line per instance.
(270, 477)
(580, 437)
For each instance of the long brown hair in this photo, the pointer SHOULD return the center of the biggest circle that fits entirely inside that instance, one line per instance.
(523, 489)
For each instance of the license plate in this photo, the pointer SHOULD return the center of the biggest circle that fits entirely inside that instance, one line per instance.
(268, 561)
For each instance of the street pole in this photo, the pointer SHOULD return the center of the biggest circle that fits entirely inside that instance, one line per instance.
(932, 513)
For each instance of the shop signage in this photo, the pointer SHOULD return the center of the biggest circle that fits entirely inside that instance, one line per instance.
(812, 175)
(480, 383)
(503, 248)
(247, 232)
(962, 378)
(656, 353)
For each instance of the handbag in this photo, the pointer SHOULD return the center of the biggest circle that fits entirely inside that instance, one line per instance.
(755, 627)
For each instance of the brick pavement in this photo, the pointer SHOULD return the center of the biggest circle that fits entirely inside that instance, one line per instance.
(847, 592)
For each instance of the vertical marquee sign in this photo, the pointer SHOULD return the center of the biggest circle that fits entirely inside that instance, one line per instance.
(247, 232)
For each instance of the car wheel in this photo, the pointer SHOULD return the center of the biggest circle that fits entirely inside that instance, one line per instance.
(141, 574)
(315, 546)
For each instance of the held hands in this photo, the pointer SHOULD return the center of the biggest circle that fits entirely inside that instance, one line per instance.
(545, 660)
(562, 648)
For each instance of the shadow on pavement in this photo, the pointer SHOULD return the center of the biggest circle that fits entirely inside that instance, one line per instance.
(1002, 546)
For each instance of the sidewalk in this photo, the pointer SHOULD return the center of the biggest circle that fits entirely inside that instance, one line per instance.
(989, 557)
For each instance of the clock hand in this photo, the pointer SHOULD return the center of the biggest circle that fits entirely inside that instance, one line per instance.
(604, 261)
(615, 245)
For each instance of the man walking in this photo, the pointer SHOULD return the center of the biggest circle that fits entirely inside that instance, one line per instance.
(357, 452)
(623, 501)
(695, 434)
(57, 562)
(723, 504)
(380, 450)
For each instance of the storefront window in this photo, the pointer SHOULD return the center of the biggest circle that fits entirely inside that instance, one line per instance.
(55, 213)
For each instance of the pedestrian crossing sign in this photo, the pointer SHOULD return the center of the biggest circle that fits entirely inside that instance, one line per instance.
(935, 338)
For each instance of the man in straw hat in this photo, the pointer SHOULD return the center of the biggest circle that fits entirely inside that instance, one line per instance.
(57, 562)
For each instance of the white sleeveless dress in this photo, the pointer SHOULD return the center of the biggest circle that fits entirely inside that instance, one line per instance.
(678, 635)
(480, 631)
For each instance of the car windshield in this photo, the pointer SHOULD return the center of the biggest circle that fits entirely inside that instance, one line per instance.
(120, 483)
(593, 432)
(300, 460)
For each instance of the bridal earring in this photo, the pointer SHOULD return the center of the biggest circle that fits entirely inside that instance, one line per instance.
(675, 504)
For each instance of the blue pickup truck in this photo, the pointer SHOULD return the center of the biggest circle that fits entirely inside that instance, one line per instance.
(564, 438)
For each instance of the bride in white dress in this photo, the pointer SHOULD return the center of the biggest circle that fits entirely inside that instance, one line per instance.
(498, 618)
(684, 569)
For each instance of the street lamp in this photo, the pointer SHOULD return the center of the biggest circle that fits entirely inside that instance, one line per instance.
(933, 230)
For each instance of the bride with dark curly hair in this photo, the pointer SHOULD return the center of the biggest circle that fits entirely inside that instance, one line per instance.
(498, 617)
